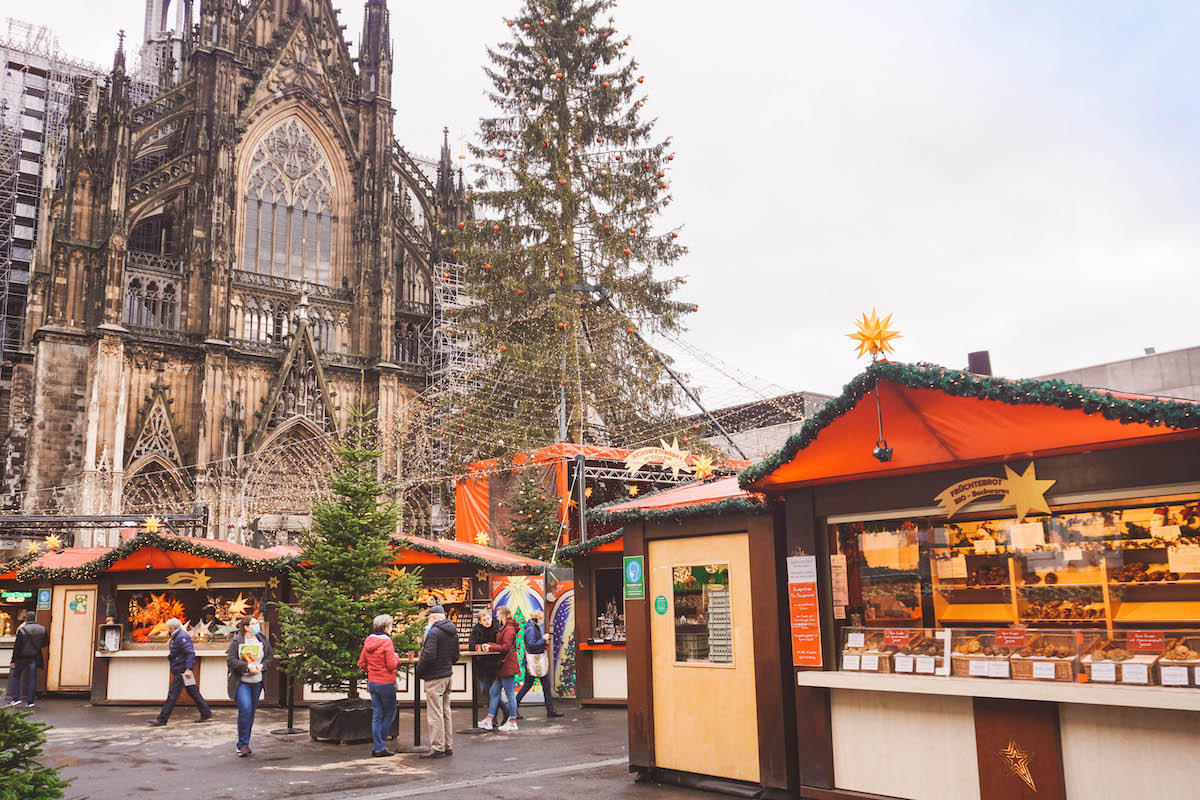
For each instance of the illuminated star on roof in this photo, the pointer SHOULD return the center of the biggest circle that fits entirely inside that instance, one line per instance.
(873, 335)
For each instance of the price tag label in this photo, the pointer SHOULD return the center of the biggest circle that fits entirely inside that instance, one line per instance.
(985, 545)
(979, 669)
(1135, 673)
(1174, 676)
(926, 665)
(1027, 536)
(1072, 554)
(839, 612)
(1010, 638)
(1184, 558)
(870, 663)
(1146, 641)
(905, 664)
(953, 567)
(897, 636)
(1043, 670)
(998, 669)
(1104, 673)
(858, 639)
(850, 662)
(1168, 533)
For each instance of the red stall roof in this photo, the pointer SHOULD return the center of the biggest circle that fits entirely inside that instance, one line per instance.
(419, 550)
(935, 418)
(689, 494)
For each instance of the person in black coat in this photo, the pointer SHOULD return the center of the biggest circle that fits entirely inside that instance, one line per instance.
(248, 655)
(26, 659)
(483, 633)
(435, 667)
(182, 656)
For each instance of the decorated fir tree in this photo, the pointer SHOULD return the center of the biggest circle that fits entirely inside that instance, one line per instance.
(567, 254)
(534, 526)
(346, 580)
(22, 775)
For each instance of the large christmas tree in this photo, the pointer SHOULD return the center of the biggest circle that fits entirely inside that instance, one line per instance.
(535, 523)
(346, 580)
(567, 255)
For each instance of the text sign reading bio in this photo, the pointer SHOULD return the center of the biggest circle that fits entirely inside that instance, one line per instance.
(635, 577)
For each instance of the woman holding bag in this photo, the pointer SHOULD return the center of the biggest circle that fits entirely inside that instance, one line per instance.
(248, 655)
(537, 663)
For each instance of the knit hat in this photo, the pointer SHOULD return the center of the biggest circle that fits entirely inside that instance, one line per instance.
(437, 610)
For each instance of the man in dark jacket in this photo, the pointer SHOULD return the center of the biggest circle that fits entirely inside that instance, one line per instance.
(182, 657)
(434, 667)
(26, 658)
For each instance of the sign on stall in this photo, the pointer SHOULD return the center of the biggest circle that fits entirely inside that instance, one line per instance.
(635, 577)
(802, 603)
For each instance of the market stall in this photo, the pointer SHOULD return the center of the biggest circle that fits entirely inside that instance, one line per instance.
(458, 576)
(1006, 575)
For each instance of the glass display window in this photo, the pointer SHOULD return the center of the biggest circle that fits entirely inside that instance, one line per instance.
(208, 615)
(703, 614)
(609, 605)
(454, 595)
(912, 651)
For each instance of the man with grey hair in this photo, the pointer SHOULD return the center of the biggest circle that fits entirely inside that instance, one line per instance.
(182, 657)
(435, 666)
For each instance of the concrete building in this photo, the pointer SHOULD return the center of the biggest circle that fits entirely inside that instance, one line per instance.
(1172, 374)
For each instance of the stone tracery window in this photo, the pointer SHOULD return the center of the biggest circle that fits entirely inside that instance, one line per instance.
(289, 207)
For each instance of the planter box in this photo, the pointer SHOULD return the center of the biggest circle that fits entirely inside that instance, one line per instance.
(344, 721)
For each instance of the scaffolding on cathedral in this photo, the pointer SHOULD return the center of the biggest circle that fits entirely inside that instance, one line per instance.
(37, 83)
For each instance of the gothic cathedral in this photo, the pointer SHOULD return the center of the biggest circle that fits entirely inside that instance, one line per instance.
(234, 260)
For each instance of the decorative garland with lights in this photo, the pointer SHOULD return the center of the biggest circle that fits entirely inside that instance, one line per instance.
(681, 514)
(1068, 396)
(467, 558)
(93, 569)
(566, 554)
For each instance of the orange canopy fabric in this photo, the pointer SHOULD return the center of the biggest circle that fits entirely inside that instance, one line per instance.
(929, 429)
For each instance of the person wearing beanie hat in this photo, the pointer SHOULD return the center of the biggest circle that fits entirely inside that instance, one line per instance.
(435, 666)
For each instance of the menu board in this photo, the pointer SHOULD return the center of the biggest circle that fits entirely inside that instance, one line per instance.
(1146, 641)
(802, 603)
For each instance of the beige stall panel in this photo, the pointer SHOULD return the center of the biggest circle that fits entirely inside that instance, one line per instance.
(212, 676)
(138, 678)
(72, 646)
(608, 675)
(705, 716)
(918, 747)
(1112, 753)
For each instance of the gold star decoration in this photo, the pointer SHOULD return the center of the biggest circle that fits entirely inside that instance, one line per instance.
(482, 538)
(1017, 761)
(1025, 491)
(703, 468)
(152, 524)
(239, 607)
(481, 576)
(273, 583)
(197, 579)
(873, 335)
(633, 490)
(53, 542)
(397, 572)
(587, 491)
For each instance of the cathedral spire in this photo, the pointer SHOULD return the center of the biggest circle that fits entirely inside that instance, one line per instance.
(375, 48)
(445, 171)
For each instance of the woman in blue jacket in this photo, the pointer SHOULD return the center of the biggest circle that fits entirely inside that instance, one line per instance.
(537, 663)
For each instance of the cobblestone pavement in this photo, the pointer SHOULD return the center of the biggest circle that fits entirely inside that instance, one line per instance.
(114, 755)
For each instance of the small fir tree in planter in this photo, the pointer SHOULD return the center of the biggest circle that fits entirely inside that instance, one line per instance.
(21, 773)
(345, 582)
(535, 522)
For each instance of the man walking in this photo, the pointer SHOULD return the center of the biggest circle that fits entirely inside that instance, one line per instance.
(182, 656)
(434, 667)
(26, 658)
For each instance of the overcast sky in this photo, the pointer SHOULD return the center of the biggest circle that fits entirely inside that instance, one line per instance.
(1020, 177)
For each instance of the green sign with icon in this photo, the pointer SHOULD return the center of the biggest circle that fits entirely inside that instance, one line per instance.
(635, 577)
(660, 604)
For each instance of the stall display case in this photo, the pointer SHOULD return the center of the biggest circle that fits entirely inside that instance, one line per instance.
(145, 611)
(914, 651)
(454, 595)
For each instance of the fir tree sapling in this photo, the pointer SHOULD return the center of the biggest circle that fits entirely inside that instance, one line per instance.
(567, 253)
(535, 523)
(22, 775)
(345, 580)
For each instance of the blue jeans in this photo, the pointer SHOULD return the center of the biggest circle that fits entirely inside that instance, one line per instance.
(508, 684)
(22, 679)
(247, 703)
(383, 712)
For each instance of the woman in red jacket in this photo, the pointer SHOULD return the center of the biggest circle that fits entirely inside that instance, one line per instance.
(506, 671)
(380, 661)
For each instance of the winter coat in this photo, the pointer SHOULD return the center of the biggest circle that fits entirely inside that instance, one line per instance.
(481, 637)
(237, 667)
(181, 653)
(534, 643)
(440, 652)
(31, 638)
(506, 646)
(379, 659)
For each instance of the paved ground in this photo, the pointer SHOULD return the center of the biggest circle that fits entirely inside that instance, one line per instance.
(112, 754)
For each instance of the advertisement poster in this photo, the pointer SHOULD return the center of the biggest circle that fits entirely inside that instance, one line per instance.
(802, 602)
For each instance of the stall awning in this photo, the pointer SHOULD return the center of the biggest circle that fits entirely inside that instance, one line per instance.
(702, 498)
(417, 550)
(934, 418)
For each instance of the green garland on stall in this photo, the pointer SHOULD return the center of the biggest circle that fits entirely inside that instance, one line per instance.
(680, 514)
(17, 562)
(93, 569)
(1179, 415)
(565, 554)
(466, 558)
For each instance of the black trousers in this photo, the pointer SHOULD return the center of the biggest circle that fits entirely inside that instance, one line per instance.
(173, 693)
(547, 698)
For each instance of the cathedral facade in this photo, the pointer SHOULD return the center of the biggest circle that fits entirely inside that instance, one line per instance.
(225, 270)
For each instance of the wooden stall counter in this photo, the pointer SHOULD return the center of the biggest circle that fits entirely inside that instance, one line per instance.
(144, 675)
